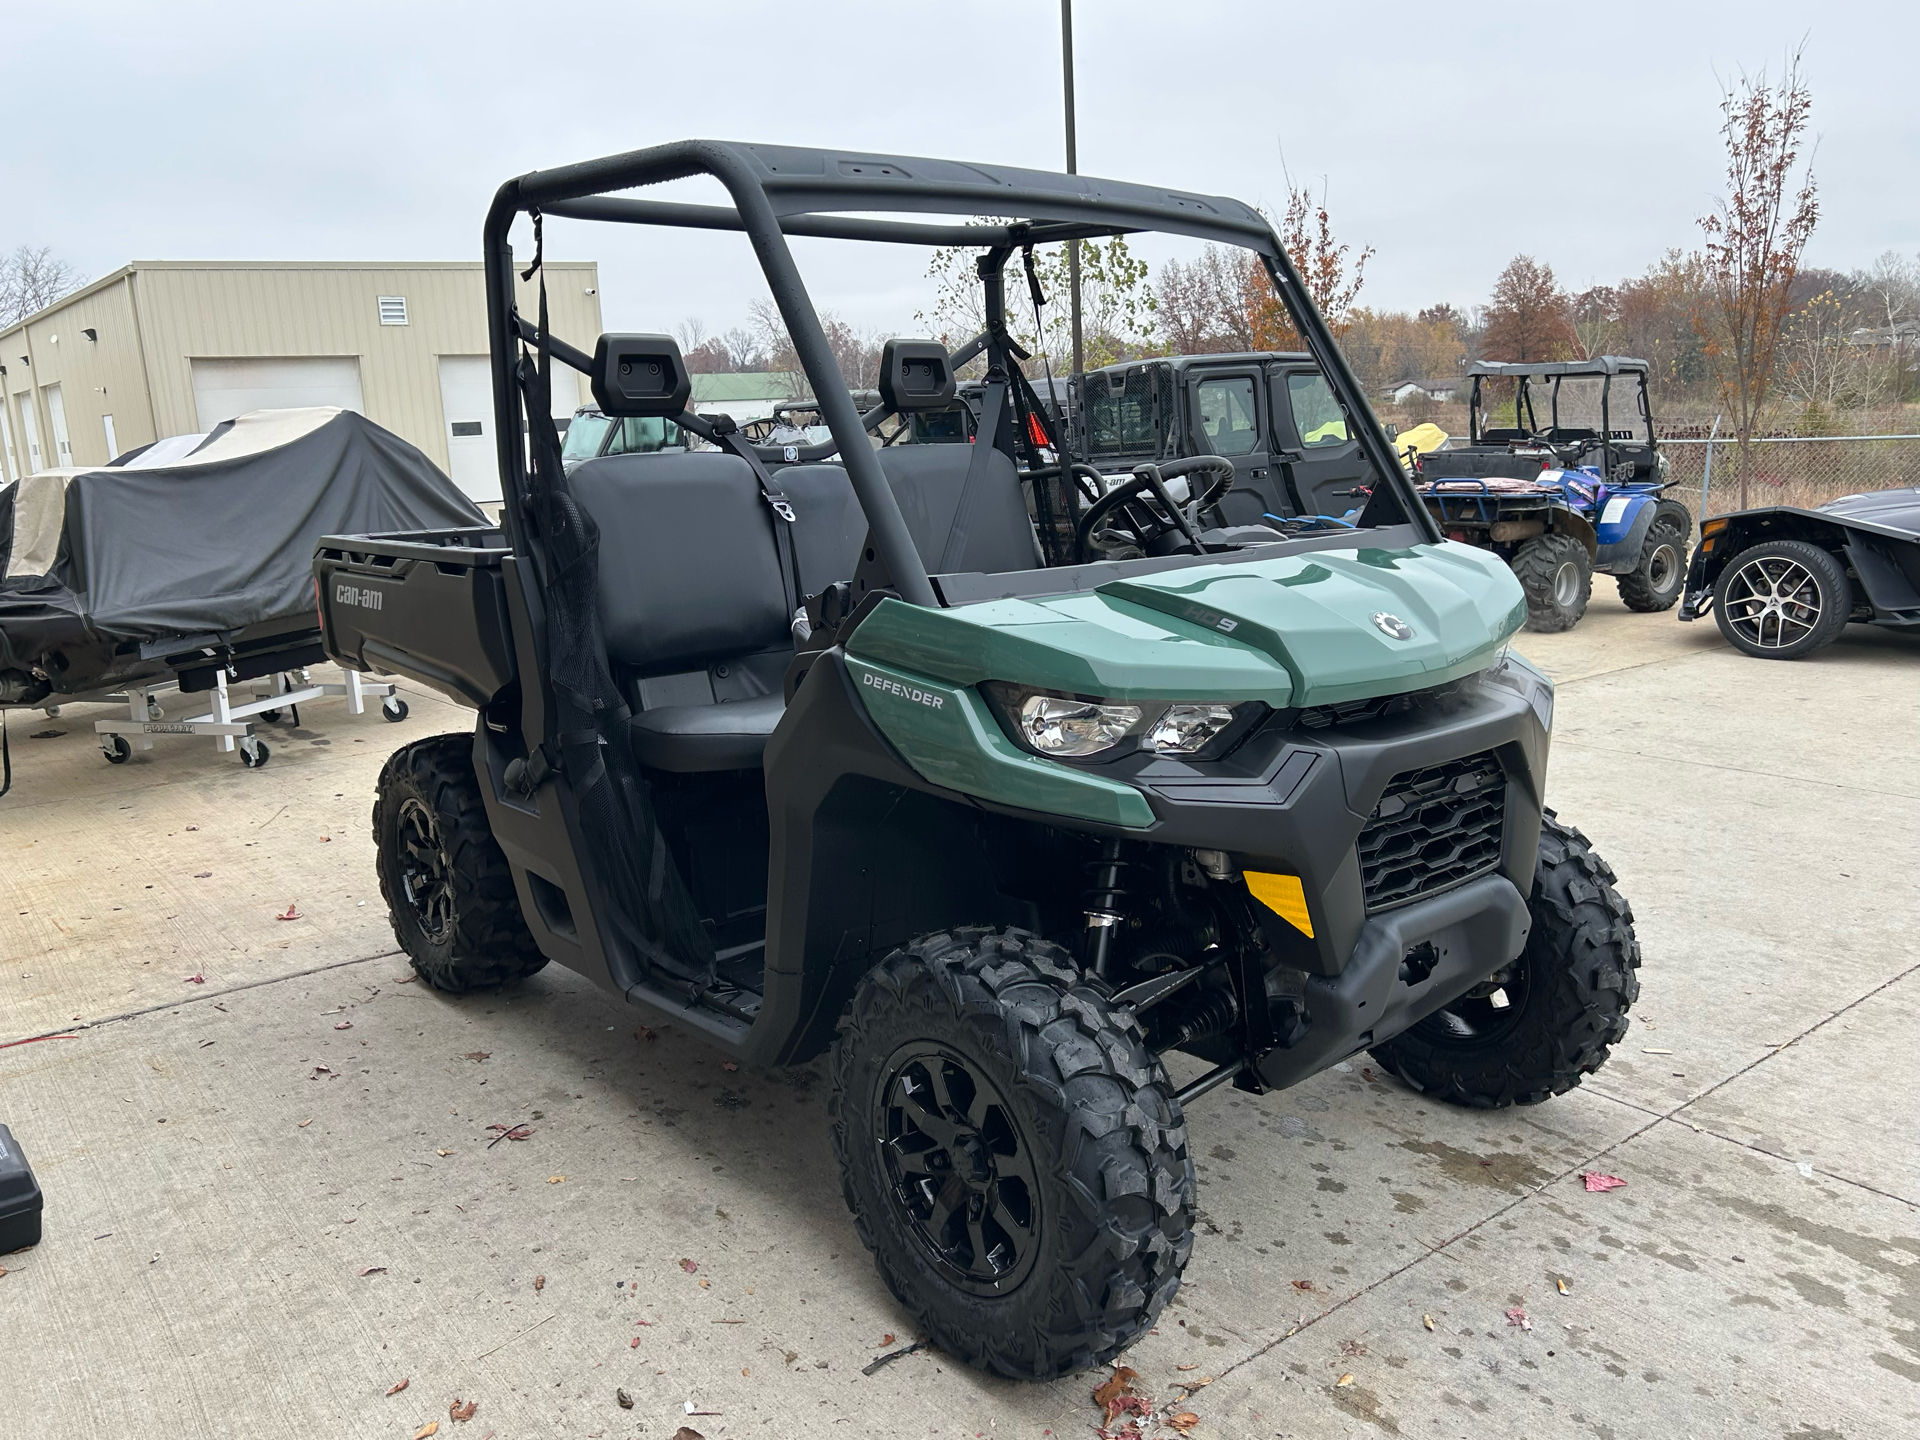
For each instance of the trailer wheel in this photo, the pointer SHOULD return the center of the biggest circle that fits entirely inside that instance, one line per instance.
(116, 749)
(1013, 1154)
(1655, 584)
(1557, 574)
(449, 893)
(1543, 1023)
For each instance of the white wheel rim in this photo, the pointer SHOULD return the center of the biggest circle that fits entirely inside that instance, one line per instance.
(1772, 602)
(1566, 584)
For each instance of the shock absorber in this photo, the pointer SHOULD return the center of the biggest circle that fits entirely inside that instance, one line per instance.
(1104, 901)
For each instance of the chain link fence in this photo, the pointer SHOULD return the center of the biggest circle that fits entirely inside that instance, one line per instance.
(1787, 470)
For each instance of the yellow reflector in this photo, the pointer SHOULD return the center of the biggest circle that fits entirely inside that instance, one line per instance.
(1285, 896)
(1713, 527)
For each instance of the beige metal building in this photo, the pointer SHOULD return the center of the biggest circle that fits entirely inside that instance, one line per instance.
(163, 348)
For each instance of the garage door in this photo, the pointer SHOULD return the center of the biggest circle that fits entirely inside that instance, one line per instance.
(466, 404)
(223, 389)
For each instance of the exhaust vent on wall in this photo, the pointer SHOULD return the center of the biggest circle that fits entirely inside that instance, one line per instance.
(393, 309)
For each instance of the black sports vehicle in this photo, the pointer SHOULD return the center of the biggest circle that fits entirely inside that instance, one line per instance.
(1782, 582)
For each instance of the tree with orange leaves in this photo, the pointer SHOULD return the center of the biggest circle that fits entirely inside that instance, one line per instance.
(1755, 239)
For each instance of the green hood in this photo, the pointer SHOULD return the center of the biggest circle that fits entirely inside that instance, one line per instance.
(1294, 630)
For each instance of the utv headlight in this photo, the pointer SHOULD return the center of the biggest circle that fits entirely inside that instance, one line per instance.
(1186, 729)
(1074, 727)
(1061, 725)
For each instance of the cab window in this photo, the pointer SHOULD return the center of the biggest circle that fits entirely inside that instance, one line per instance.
(584, 436)
(643, 434)
(1228, 421)
(1316, 415)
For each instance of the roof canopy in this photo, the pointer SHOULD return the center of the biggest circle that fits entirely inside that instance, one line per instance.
(1598, 365)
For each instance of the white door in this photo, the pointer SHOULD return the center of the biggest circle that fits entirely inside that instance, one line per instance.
(30, 432)
(9, 466)
(466, 406)
(223, 389)
(113, 443)
(57, 413)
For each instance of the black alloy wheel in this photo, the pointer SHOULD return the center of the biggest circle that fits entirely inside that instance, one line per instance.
(425, 877)
(960, 1174)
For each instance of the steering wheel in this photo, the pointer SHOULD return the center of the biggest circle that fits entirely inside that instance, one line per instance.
(1148, 510)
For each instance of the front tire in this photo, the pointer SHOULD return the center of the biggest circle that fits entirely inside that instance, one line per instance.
(1656, 582)
(1567, 996)
(1013, 1154)
(1782, 600)
(449, 893)
(1557, 574)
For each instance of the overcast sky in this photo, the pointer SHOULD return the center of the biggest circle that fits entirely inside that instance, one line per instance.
(1450, 140)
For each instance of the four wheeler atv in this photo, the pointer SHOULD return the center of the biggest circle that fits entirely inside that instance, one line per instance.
(1783, 582)
(1583, 493)
(871, 755)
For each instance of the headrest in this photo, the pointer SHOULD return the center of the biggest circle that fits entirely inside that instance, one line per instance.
(915, 375)
(640, 375)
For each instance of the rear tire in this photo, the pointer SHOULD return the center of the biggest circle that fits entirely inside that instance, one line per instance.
(1568, 994)
(1557, 574)
(1782, 600)
(449, 893)
(1656, 583)
(1034, 1218)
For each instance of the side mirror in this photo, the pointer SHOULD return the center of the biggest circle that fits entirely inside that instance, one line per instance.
(640, 375)
(915, 375)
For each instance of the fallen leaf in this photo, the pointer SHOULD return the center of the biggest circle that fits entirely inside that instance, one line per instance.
(634, 1343)
(1190, 1365)
(645, 1032)
(1427, 1320)
(1563, 1286)
(1184, 1421)
(343, 1025)
(689, 1266)
(887, 1339)
(556, 1179)
(510, 1132)
(1303, 1285)
(643, 1322)
(323, 1069)
(366, 1270)
(326, 839)
(203, 875)
(432, 1427)
(729, 1065)
(194, 979)
(687, 1432)
(304, 1123)
(292, 912)
(705, 1284)
(539, 1283)
(1517, 1316)
(443, 1153)
(745, 1372)
(1352, 1347)
(400, 1385)
(623, 1399)
(477, 1055)
(1596, 1181)
(460, 1411)
(1346, 1379)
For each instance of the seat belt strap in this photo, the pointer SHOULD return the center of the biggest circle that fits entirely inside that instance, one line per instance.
(784, 516)
(992, 404)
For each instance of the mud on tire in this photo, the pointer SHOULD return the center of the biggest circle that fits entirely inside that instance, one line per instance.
(1557, 574)
(1569, 994)
(449, 893)
(1058, 1078)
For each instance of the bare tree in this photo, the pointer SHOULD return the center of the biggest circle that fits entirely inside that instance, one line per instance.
(1595, 319)
(1822, 368)
(691, 333)
(1755, 238)
(1892, 285)
(31, 280)
(743, 351)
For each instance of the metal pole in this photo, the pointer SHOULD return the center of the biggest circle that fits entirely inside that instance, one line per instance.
(1073, 168)
(1706, 471)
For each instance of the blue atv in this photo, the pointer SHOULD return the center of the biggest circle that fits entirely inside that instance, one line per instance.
(1584, 493)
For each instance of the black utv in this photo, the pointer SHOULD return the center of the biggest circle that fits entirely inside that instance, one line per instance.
(866, 752)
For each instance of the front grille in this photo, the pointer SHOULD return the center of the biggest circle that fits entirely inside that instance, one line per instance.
(1432, 830)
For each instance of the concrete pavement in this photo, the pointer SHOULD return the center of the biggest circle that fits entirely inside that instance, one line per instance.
(223, 1163)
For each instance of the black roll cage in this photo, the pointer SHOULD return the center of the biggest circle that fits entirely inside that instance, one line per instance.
(780, 190)
(1604, 368)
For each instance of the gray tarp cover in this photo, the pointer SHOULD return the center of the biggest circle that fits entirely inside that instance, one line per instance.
(217, 541)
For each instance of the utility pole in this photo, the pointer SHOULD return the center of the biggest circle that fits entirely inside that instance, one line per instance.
(1073, 168)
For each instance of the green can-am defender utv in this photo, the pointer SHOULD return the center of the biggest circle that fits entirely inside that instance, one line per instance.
(864, 755)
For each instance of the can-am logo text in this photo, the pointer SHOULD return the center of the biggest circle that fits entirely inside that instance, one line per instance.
(344, 594)
(1392, 626)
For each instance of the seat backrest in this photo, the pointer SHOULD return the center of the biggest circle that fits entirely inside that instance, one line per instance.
(688, 569)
